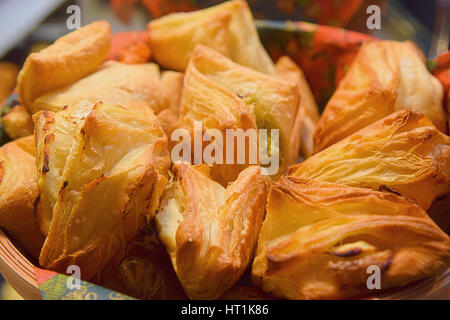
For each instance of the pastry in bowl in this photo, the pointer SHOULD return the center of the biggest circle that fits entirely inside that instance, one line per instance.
(145, 272)
(288, 70)
(17, 123)
(217, 110)
(210, 232)
(386, 76)
(101, 171)
(112, 82)
(323, 240)
(8, 76)
(403, 153)
(172, 83)
(227, 28)
(271, 101)
(18, 192)
(69, 59)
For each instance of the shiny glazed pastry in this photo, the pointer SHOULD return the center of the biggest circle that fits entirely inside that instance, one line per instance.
(145, 272)
(227, 28)
(273, 101)
(386, 76)
(101, 171)
(319, 238)
(18, 192)
(172, 83)
(288, 70)
(148, 273)
(210, 232)
(69, 59)
(113, 82)
(8, 76)
(207, 103)
(18, 123)
(403, 153)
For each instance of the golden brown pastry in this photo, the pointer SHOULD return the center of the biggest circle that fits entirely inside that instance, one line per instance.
(148, 272)
(210, 232)
(227, 28)
(172, 83)
(274, 101)
(288, 70)
(18, 192)
(101, 170)
(145, 272)
(8, 75)
(216, 108)
(403, 153)
(386, 76)
(113, 82)
(319, 239)
(69, 59)
(169, 121)
(17, 123)
(27, 144)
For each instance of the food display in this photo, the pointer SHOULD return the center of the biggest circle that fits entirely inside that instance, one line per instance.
(109, 165)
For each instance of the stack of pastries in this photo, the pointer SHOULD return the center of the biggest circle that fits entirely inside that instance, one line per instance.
(96, 186)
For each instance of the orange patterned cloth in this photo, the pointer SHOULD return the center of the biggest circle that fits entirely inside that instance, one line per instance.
(130, 47)
(440, 67)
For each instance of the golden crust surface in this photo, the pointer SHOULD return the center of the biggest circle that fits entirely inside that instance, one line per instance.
(210, 232)
(172, 83)
(18, 192)
(8, 76)
(274, 102)
(403, 153)
(288, 70)
(17, 123)
(319, 238)
(205, 101)
(386, 76)
(69, 59)
(227, 28)
(102, 169)
(113, 82)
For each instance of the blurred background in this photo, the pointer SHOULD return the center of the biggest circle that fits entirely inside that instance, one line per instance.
(27, 26)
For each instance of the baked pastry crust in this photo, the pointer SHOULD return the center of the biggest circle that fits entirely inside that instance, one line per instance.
(18, 192)
(172, 83)
(319, 238)
(69, 59)
(17, 123)
(210, 232)
(386, 76)
(102, 169)
(216, 108)
(145, 272)
(273, 101)
(27, 144)
(288, 70)
(402, 153)
(8, 76)
(227, 28)
(113, 82)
